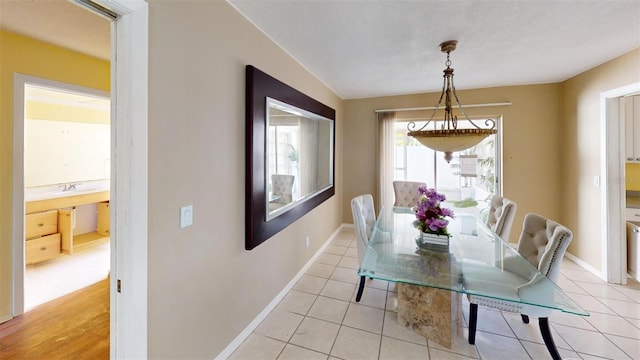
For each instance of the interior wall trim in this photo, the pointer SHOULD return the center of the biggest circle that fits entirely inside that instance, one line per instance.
(583, 264)
(233, 345)
(97, 9)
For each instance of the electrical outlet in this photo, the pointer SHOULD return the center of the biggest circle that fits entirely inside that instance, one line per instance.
(306, 241)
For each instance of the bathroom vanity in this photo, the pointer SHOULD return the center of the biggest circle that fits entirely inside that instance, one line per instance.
(633, 234)
(49, 224)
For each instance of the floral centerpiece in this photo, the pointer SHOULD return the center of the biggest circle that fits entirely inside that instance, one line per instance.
(431, 217)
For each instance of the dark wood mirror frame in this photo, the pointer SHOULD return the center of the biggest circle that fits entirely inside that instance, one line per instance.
(259, 86)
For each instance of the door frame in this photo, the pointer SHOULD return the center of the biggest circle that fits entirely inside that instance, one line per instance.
(129, 169)
(612, 190)
(20, 81)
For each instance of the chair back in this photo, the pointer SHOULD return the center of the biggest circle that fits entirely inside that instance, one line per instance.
(406, 193)
(282, 185)
(544, 242)
(502, 211)
(364, 219)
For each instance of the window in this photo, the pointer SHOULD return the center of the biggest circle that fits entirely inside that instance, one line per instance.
(468, 180)
(284, 143)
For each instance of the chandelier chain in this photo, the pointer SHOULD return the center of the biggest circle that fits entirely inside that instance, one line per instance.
(448, 138)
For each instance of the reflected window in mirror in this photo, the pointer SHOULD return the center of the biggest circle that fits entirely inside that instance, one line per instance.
(297, 156)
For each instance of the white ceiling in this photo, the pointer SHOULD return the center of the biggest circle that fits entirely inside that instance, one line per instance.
(378, 48)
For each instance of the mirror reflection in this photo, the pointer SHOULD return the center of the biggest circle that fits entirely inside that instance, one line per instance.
(298, 157)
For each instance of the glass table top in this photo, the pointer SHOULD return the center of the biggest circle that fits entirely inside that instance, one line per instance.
(475, 262)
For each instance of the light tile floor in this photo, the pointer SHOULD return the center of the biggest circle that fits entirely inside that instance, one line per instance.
(319, 319)
(54, 278)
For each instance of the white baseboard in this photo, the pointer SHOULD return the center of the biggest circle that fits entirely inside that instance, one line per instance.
(585, 266)
(263, 314)
(5, 318)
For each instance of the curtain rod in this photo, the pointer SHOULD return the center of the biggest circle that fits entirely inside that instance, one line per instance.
(506, 103)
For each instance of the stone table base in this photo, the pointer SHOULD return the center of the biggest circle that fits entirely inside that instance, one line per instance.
(431, 312)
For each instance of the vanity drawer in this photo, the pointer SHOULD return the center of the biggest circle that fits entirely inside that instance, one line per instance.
(41, 249)
(42, 223)
(633, 214)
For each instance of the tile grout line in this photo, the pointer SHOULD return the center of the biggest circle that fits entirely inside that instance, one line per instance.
(595, 327)
(333, 344)
(384, 316)
(521, 341)
(516, 335)
(306, 315)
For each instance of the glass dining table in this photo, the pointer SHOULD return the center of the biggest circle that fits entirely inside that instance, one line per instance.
(430, 279)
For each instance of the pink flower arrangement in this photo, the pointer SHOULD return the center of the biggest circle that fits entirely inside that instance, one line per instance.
(431, 217)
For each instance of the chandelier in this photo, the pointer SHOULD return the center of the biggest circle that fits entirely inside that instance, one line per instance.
(448, 138)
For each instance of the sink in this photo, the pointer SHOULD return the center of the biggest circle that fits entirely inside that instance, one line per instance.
(74, 192)
(54, 191)
(59, 194)
(78, 191)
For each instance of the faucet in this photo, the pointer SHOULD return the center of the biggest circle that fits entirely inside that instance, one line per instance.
(69, 187)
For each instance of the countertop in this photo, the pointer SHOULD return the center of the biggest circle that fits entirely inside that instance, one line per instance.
(73, 199)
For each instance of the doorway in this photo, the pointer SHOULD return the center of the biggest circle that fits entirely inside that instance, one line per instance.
(612, 194)
(65, 66)
(129, 84)
(67, 180)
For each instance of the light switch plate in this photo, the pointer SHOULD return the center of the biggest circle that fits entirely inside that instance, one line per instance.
(186, 216)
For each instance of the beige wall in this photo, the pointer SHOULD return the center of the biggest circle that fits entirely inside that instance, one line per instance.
(204, 288)
(23, 55)
(582, 149)
(531, 144)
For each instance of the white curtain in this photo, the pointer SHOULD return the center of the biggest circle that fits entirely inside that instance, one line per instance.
(386, 155)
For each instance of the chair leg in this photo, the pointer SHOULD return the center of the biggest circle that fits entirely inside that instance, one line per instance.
(473, 321)
(360, 288)
(548, 339)
(525, 318)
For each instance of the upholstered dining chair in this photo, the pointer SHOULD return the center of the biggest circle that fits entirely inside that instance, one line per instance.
(543, 243)
(502, 211)
(364, 219)
(406, 193)
(282, 185)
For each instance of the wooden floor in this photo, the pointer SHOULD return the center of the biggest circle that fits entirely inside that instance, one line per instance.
(75, 326)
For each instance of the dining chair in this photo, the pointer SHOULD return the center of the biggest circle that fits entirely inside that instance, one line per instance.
(543, 243)
(406, 193)
(364, 219)
(282, 185)
(502, 211)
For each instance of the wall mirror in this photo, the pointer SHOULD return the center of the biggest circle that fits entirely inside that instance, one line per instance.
(67, 135)
(290, 155)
